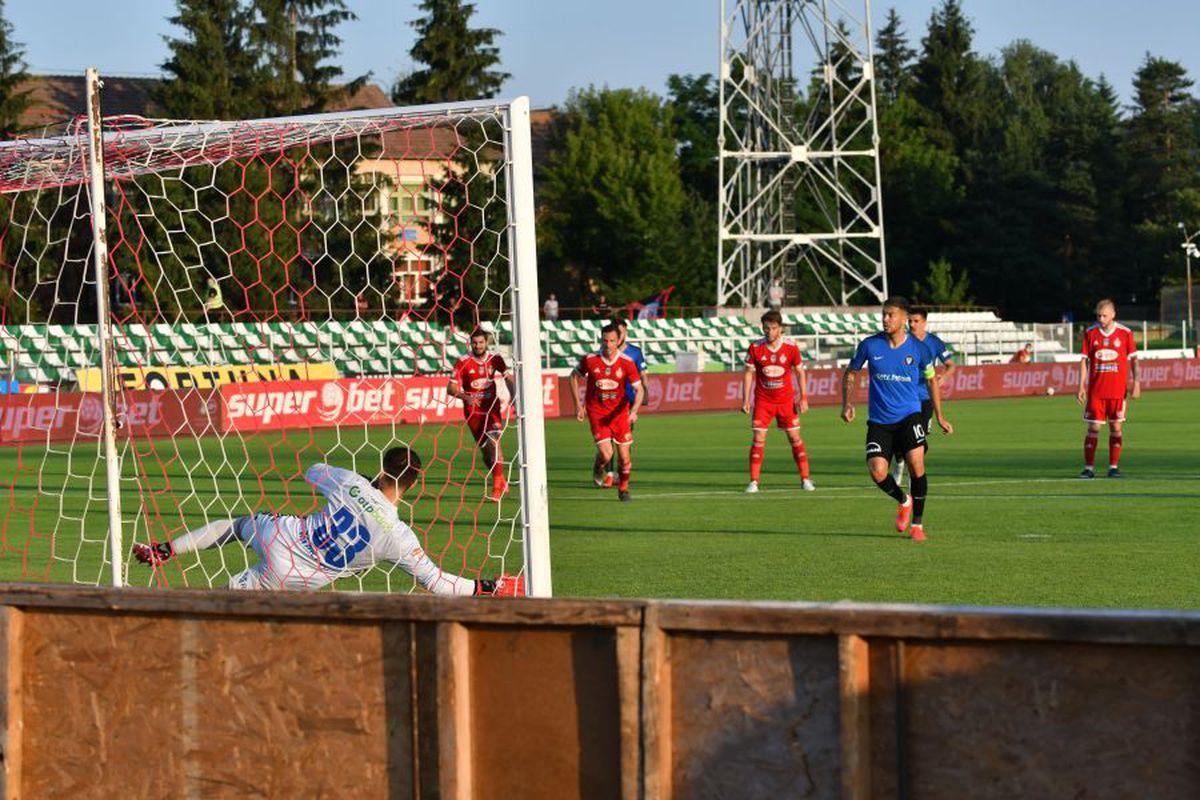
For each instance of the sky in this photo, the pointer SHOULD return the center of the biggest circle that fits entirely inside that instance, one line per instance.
(552, 46)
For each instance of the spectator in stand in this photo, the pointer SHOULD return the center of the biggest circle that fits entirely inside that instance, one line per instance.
(1024, 355)
(362, 306)
(550, 308)
(214, 301)
(775, 295)
(602, 308)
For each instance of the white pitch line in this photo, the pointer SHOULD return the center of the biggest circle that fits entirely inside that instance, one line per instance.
(934, 487)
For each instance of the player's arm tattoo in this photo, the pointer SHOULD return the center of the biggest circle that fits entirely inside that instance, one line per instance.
(846, 379)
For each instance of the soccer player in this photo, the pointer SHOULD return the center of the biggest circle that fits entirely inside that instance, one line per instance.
(357, 529)
(896, 361)
(606, 405)
(605, 476)
(939, 353)
(770, 364)
(474, 381)
(1109, 358)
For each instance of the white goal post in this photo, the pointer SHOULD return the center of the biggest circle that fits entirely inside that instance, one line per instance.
(197, 311)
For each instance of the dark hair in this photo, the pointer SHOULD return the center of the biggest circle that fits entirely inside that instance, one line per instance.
(610, 328)
(479, 332)
(621, 322)
(919, 311)
(896, 301)
(772, 316)
(402, 466)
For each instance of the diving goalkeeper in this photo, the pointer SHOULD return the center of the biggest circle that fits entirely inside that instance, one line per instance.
(357, 529)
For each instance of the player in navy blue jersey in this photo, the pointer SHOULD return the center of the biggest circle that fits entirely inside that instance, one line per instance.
(605, 476)
(896, 362)
(939, 353)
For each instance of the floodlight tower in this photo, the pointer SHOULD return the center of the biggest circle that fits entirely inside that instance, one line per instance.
(799, 152)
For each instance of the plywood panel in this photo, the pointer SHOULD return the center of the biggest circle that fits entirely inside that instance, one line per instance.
(546, 713)
(141, 707)
(1022, 719)
(754, 716)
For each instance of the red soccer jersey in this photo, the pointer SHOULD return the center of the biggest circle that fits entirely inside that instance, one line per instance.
(773, 370)
(1108, 357)
(606, 382)
(477, 378)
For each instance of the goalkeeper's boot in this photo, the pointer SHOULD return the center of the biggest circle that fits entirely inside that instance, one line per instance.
(807, 485)
(153, 554)
(609, 480)
(1114, 472)
(917, 532)
(1087, 473)
(904, 513)
(752, 487)
(503, 586)
(624, 496)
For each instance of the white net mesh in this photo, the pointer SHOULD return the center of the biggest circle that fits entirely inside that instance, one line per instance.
(282, 293)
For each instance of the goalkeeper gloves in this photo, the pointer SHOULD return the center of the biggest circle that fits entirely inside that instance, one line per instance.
(153, 554)
(504, 586)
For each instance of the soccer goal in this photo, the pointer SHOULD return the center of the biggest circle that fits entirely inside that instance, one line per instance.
(194, 313)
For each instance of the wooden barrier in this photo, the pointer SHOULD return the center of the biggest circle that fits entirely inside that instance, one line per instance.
(140, 693)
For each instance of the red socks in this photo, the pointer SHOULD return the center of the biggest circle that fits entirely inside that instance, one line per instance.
(1089, 448)
(800, 456)
(1114, 448)
(756, 455)
(626, 469)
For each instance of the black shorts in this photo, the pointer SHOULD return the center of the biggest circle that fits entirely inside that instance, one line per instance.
(897, 438)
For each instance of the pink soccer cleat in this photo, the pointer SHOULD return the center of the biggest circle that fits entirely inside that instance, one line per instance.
(917, 533)
(904, 514)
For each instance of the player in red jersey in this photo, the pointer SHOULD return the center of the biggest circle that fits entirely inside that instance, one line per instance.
(1109, 359)
(474, 382)
(770, 364)
(606, 406)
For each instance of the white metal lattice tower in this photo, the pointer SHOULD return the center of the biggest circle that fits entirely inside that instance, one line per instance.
(799, 187)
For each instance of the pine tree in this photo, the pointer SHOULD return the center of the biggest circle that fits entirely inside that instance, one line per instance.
(458, 59)
(948, 76)
(211, 68)
(295, 42)
(1163, 145)
(893, 59)
(12, 75)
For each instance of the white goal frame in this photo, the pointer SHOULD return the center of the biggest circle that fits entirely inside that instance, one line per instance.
(530, 458)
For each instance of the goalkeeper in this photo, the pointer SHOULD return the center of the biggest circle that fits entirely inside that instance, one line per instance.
(357, 529)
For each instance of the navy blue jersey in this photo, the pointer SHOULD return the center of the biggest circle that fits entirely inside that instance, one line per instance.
(634, 353)
(939, 353)
(895, 376)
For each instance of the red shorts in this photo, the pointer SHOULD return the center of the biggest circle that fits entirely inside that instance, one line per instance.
(613, 427)
(485, 423)
(1101, 410)
(784, 414)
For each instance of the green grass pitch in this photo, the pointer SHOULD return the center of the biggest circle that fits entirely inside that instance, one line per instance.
(1008, 522)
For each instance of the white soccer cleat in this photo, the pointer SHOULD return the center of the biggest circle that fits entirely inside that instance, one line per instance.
(808, 485)
(752, 487)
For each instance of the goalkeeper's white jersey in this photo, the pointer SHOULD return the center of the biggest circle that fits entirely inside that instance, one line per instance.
(358, 528)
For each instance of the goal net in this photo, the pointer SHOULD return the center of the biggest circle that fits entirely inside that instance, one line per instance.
(274, 294)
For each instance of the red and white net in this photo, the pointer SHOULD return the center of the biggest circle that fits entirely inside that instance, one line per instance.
(282, 293)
